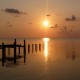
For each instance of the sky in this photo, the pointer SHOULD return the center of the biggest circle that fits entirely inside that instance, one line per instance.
(24, 18)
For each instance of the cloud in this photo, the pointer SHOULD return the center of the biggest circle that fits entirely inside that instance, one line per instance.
(72, 18)
(30, 22)
(13, 11)
(65, 30)
(8, 24)
(55, 26)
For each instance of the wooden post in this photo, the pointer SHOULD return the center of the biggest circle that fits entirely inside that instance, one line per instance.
(28, 48)
(36, 47)
(19, 51)
(24, 51)
(3, 54)
(32, 48)
(15, 40)
(15, 51)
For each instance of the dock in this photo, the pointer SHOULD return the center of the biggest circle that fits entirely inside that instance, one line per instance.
(14, 46)
(17, 48)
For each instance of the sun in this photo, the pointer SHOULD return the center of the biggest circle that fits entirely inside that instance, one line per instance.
(46, 23)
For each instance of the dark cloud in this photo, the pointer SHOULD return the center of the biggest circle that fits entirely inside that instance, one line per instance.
(9, 25)
(72, 18)
(13, 11)
(55, 26)
(48, 15)
(30, 22)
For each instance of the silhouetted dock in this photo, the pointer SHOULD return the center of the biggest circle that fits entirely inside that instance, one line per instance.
(6, 52)
(14, 46)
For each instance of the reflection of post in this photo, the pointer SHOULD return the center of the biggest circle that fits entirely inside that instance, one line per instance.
(32, 48)
(39, 47)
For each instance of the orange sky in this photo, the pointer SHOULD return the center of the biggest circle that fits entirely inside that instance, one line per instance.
(24, 18)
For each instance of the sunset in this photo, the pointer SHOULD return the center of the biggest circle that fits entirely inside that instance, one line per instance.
(39, 39)
(46, 23)
(26, 16)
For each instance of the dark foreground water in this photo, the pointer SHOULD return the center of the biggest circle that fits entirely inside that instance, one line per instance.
(59, 59)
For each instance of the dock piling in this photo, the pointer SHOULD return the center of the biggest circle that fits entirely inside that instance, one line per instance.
(19, 51)
(3, 54)
(24, 51)
(36, 47)
(15, 52)
(39, 47)
(32, 48)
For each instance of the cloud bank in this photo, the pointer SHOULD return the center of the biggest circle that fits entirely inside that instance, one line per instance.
(13, 11)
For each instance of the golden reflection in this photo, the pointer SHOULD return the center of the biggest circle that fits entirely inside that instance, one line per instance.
(46, 47)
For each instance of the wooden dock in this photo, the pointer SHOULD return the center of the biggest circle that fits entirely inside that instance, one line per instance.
(14, 46)
(31, 48)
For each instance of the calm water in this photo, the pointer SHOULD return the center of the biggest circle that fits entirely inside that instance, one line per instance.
(59, 59)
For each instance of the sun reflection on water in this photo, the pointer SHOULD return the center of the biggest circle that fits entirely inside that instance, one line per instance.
(46, 47)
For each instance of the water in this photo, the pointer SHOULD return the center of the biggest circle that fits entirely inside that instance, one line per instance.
(59, 59)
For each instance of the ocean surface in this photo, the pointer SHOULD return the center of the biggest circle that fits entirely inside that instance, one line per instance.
(58, 59)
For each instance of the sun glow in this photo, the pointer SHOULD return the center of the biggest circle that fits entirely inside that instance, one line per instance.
(46, 23)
